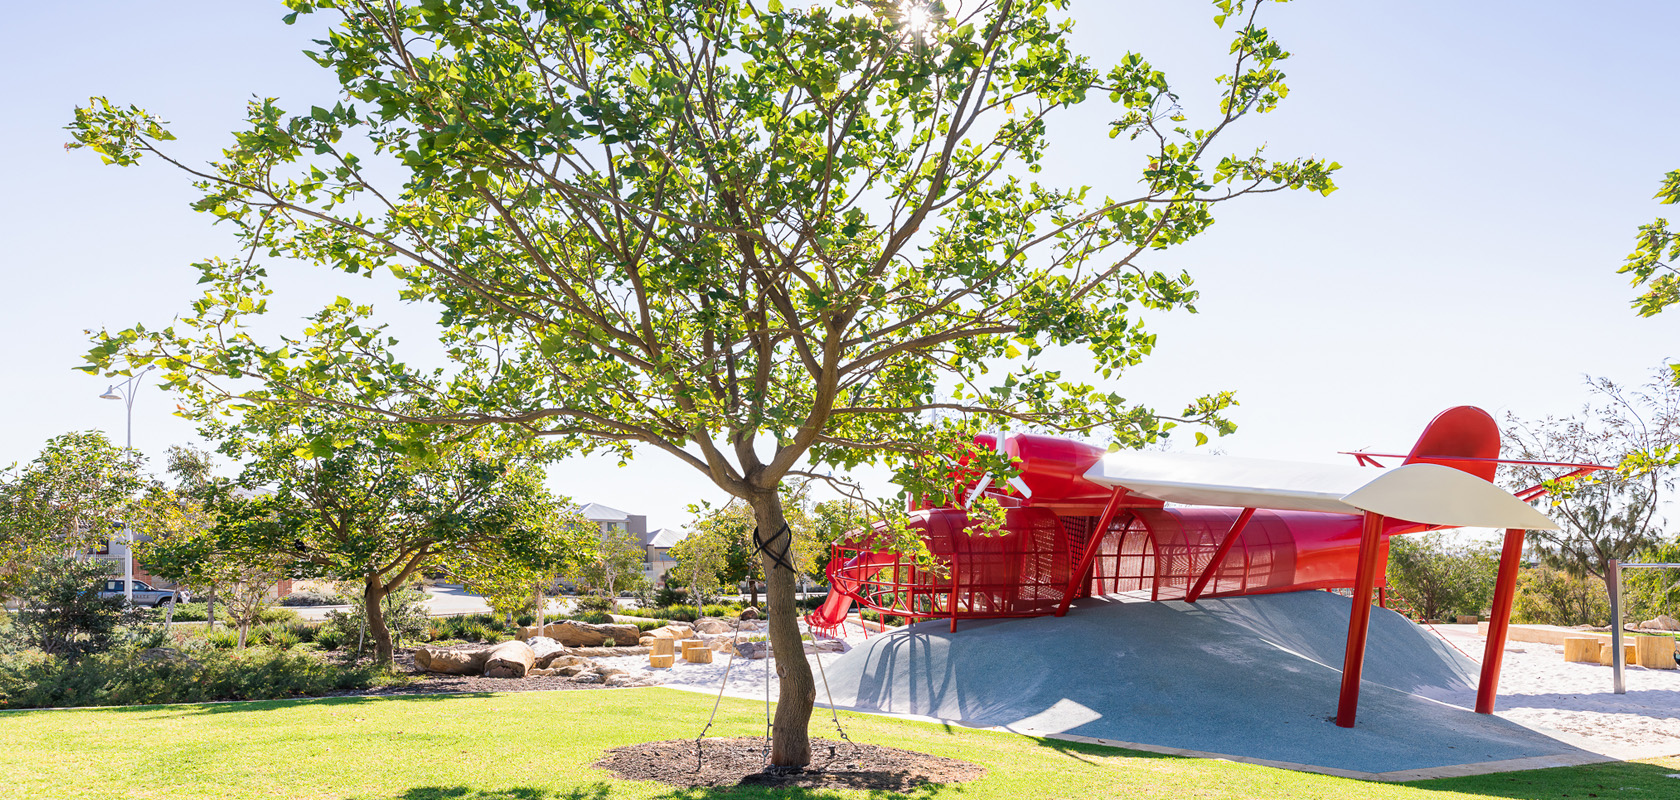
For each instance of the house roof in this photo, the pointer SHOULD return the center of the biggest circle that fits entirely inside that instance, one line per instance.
(1426, 493)
(665, 537)
(595, 512)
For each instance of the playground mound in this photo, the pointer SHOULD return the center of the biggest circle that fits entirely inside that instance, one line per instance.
(740, 762)
(1253, 677)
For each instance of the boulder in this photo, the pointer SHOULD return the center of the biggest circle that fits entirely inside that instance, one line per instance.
(509, 660)
(546, 649)
(587, 677)
(572, 670)
(750, 613)
(671, 632)
(624, 680)
(562, 659)
(451, 662)
(713, 625)
(583, 634)
(539, 672)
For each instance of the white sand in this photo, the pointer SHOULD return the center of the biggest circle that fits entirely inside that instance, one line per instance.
(1537, 689)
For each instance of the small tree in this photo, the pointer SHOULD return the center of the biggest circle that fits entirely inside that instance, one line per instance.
(1610, 514)
(341, 499)
(63, 614)
(1439, 580)
(72, 496)
(700, 558)
(615, 563)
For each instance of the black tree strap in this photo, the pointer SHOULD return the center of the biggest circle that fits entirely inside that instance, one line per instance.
(778, 556)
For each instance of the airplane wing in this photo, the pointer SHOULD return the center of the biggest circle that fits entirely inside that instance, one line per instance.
(1427, 493)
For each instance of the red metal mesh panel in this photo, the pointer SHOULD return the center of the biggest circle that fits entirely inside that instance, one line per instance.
(1022, 571)
(1125, 560)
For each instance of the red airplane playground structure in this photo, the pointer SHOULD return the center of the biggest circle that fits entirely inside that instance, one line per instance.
(1083, 522)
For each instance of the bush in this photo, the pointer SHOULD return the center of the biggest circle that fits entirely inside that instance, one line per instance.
(405, 618)
(122, 678)
(667, 596)
(64, 615)
(593, 603)
(594, 617)
(1548, 596)
(313, 597)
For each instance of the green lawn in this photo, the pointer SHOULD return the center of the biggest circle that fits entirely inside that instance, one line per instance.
(538, 746)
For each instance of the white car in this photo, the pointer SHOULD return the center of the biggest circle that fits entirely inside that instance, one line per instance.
(144, 595)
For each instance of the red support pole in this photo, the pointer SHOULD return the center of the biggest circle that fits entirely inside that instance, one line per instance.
(1359, 621)
(1097, 535)
(1219, 555)
(1504, 593)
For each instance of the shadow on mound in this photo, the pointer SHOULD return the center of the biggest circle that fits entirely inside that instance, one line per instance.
(1256, 677)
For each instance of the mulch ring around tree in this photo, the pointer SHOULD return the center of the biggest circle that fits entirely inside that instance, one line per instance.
(741, 762)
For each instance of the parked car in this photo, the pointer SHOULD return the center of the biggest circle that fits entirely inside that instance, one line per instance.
(145, 595)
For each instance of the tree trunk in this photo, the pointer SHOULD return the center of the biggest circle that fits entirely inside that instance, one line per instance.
(541, 601)
(210, 610)
(790, 744)
(752, 586)
(372, 599)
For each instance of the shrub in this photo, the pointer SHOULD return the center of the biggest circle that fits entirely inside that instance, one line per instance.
(595, 617)
(279, 637)
(222, 638)
(1548, 596)
(64, 615)
(667, 596)
(328, 637)
(405, 618)
(122, 678)
(593, 603)
(313, 597)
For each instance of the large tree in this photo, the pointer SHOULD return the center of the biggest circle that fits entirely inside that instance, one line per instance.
(1655, 260)
(763, 238)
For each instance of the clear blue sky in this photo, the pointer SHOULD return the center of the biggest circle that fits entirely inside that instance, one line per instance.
(1498, 157)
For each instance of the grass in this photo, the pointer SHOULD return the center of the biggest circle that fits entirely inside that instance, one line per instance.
(539, 745)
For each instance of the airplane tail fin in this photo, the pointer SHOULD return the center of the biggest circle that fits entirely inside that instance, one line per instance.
(1465, 438)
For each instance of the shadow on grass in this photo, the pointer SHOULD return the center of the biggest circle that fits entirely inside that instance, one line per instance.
(1594, 780)
(602, 790)
(226, 706)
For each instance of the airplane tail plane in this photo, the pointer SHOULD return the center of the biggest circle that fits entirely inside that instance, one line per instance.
(1465, 438)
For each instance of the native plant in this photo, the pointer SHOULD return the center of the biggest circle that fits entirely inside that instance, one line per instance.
(765, 239)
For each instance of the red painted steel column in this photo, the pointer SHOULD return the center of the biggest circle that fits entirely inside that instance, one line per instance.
(1097, 535)
(1359, 622)
(1219, 555)
(1504, 593)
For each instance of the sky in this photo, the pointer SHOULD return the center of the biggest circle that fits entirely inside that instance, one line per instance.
(1498, 157)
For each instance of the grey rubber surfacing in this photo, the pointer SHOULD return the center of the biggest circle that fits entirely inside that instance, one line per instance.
(1253, 677)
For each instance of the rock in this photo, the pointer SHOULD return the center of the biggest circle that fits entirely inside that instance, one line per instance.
(572, 670)
(750, 613)
(608, 672)
(757, 650)
(583, 634)
(623, 680)
(754, 650)
(1668, 623)
(546, 649)
(671, 632)
(586, 677)
(751, 626)
(538, 672)
(713, 625)
(451, 662)
(509, 660)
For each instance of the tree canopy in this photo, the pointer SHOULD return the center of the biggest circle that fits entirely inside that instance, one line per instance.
(762, 238)
(1655, 254)
(73, 495)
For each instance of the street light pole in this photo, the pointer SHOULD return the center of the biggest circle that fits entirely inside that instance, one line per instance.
(125, 392)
